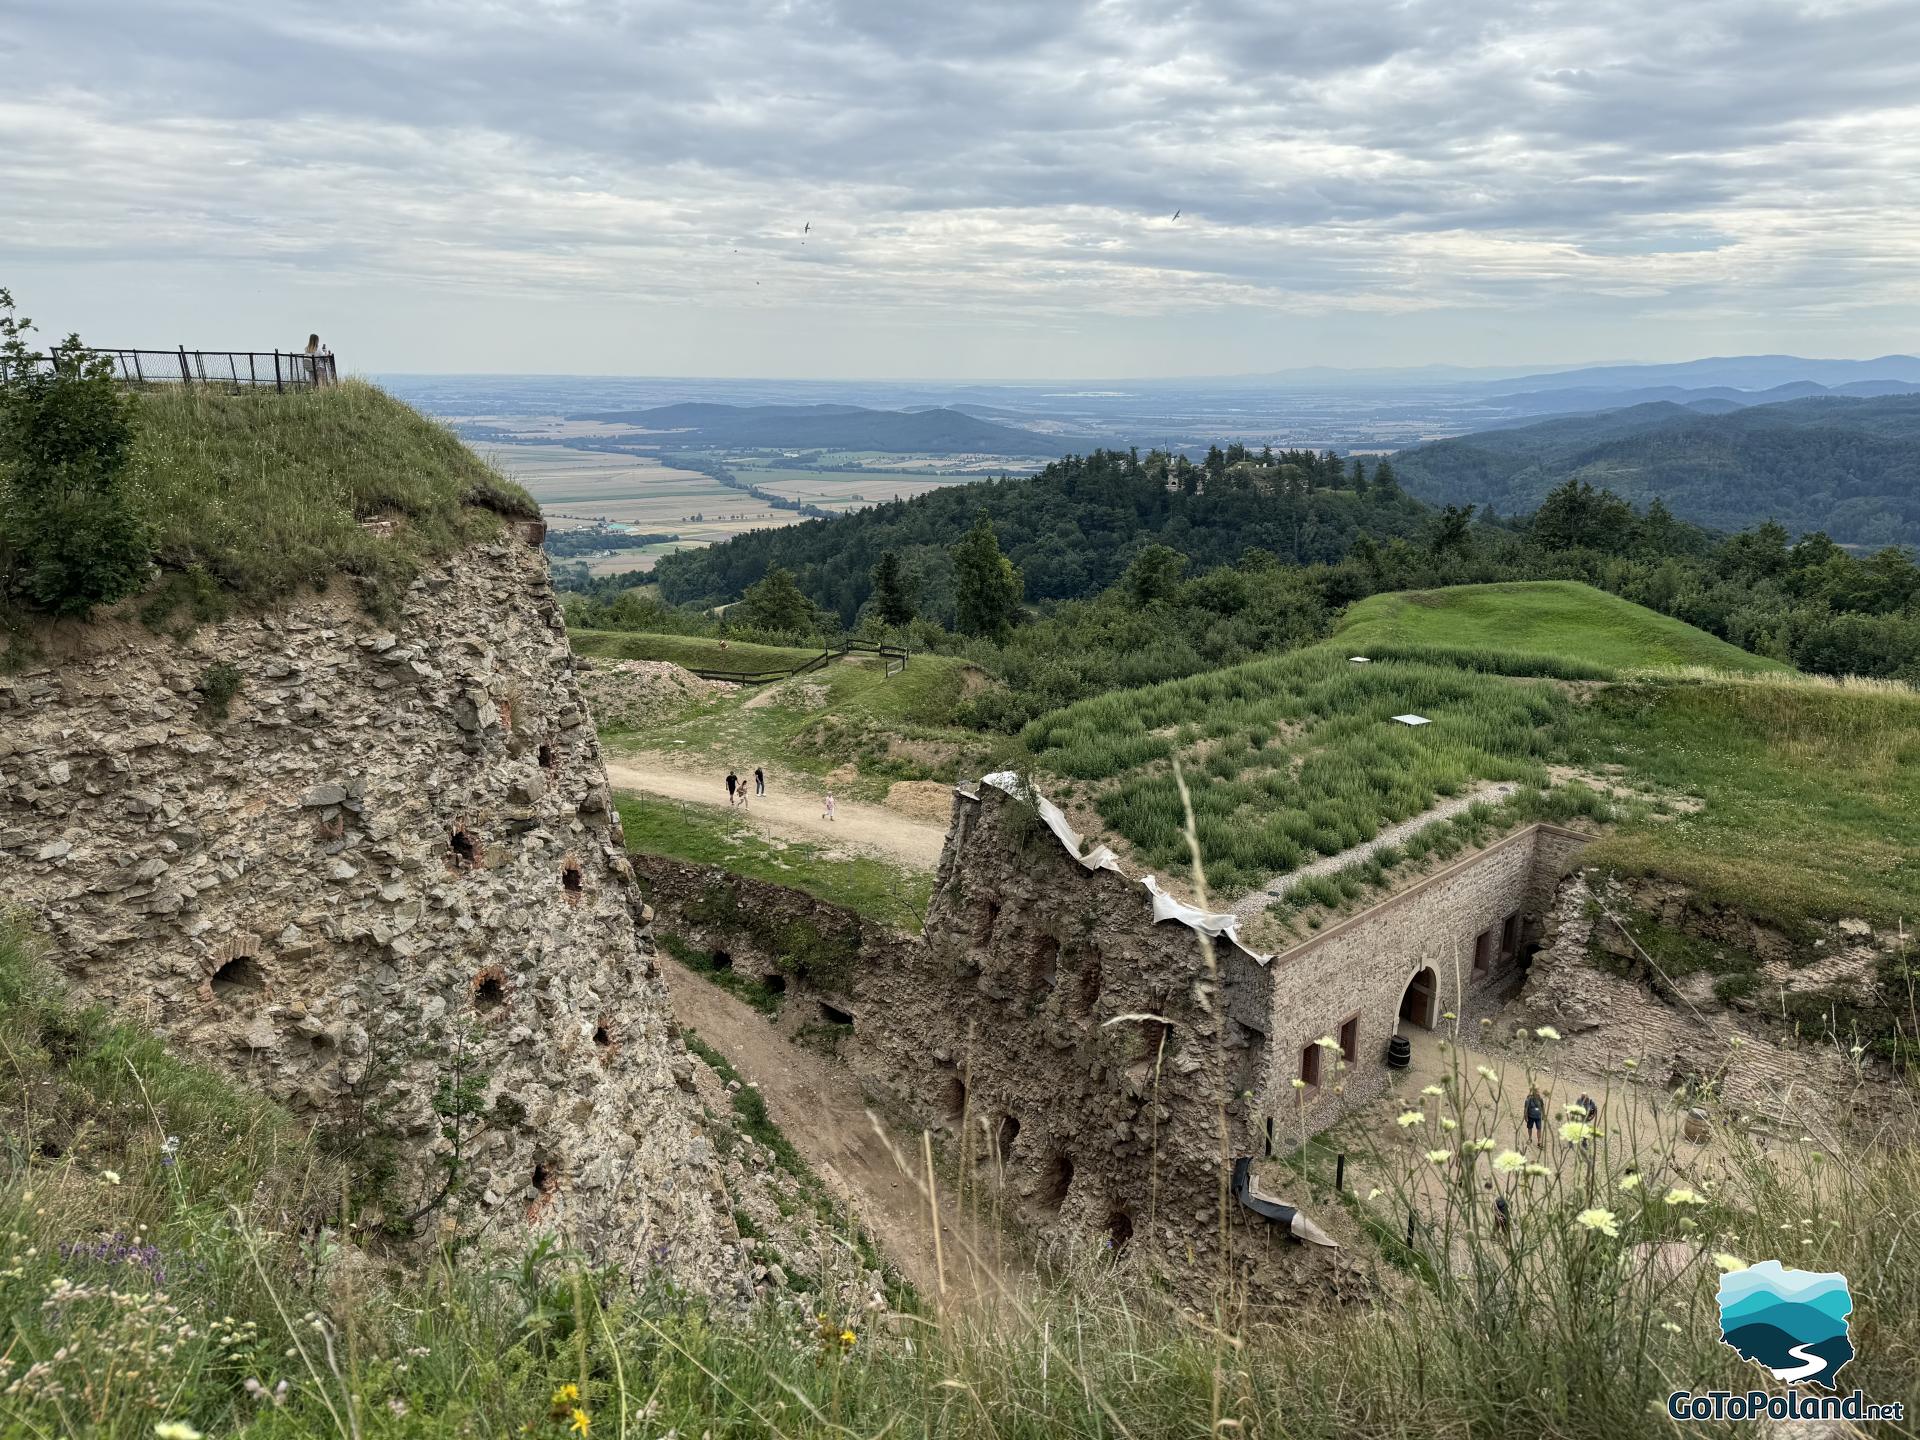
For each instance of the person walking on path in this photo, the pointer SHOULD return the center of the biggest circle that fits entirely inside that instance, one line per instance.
(759, 781)
(733, 783)
(1535, 1110)
(827, 814)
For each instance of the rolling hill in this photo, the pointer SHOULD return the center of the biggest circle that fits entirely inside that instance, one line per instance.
(834, 427)
(1848, 466)
(1562, 618)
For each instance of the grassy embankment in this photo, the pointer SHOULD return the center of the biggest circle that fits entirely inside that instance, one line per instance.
(254, 497)
(1561, 618)
(707, 835)
(1809, 790)
(143, 1287)
(692, 652)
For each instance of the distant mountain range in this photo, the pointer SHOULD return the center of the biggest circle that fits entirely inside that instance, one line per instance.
(936, 431)
(1848, 466)
(1709, 400)
(1738, 372)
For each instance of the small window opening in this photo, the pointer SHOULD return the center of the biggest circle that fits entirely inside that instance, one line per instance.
(776, 983)
(984, 921)
(489, 990)
(722, 959)
(1269, 1128)
(1119, 1229)
(570, 879)
(1056, 1180)
(1350, 1039)
(603, 1035)
(548, 760)
(834, 1015)
(956, 1097)
(1153, 1040)
(466, 854)
(1089, 990)
(1483, 947)
(1510, 936)
(1005, 1135)
(237, 979)
(1045, 963)
(544, 1182)
(1310, 1064)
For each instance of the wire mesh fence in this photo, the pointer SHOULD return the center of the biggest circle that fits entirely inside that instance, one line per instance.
(226, 369)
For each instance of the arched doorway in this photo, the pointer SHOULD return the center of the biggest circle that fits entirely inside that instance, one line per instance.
(1416, 1006)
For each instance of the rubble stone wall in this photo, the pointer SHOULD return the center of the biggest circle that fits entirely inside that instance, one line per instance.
(396, 847)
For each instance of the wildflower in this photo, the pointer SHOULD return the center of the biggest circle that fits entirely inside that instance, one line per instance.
(1575, 1132)
(847, 1337)
(1448, 1015)
(1509, 1162)
(1374, 1193)
(1486, 1020)
(1327, 1042)
(112, 1177)
(1298, 1083)
(1479, 1147)
(1487, 1072)
(1728, 1262)
(1447, 1122)
(1408, 1117)
(1631, 1064)
(1546, 1032)
(1431, 1090)
(1535, 1168)
(566, 1395)
(1682, 1195)
(1439, 1157)
(1670, 1327)
(175, 1430)
(1598, 1219)
(1630, 1180)
(581, 1423)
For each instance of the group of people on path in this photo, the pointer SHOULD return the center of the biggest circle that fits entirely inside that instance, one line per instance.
(737, 790)
(1534, 1111)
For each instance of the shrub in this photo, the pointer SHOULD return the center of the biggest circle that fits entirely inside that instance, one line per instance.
(70, 535)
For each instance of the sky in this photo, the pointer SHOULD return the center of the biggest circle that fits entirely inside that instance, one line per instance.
(624, 186)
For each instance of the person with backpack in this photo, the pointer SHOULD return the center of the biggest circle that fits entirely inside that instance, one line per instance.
(1535, 1111)
(733, 783)
(759, 781)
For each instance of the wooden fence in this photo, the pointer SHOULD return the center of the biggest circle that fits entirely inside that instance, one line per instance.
(895, 657)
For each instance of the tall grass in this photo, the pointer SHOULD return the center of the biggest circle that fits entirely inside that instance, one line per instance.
(255, 496)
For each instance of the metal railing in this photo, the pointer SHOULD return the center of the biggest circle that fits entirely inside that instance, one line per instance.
(895, 657)
(227, 369)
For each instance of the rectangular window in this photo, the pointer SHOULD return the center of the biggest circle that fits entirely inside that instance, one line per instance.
(1310, 1064)
(1350, 1038)
(1483, 950)
(1510, 937)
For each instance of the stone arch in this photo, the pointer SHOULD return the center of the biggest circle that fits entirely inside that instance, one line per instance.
(237, 975)
(1056, 1180)
(572, 882)
(489, 990)
(1420, 1001)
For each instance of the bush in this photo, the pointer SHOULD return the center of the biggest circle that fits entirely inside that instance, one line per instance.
(70, 535)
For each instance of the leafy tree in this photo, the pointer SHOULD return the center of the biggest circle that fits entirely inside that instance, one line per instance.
(70, 535)
(1575, 516)
(892, 592)
(1452, 530)
(987, 587)
(1155, 574)
(776, 603)
(1386, 486)
(1359, 477)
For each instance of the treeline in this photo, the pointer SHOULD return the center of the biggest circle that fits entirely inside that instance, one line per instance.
(1073, 529)
(714, 470)
(566, 544)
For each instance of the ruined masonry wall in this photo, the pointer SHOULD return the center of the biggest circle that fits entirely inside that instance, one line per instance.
(398, 835)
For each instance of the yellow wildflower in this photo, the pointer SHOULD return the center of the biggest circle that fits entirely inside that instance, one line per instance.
(1439, 1157)
(1509, 1162)
(1728, 1262)
(1431, 1090)
(1408, 1117)
(1598, 1219)
(1630, 1180)
(1327, 1042)
(1546, 1032)
(566, 1395)
(581, 1422)
(847, 1337)
(1575, 1131)
(175, 1430)
(1487, 1072)
(1682, 1195)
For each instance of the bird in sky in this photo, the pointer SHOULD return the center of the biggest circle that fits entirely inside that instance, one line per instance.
(807, 229)
(1176, 214)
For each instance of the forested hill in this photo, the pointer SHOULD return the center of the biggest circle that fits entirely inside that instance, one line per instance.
(1072, 529)
(1850, 467)
(835, 427)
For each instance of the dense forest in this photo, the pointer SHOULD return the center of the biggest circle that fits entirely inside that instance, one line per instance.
(1157, 611)
(1073, 529)
(1848, 467)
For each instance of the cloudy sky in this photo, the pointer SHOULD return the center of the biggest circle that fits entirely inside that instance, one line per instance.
(620, 186)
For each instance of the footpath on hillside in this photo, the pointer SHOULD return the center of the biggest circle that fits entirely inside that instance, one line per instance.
(817, 1105)
(786, 812)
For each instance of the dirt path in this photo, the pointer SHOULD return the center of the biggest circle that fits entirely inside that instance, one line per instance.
(790, 810)
(817, 1105)
(1250, 905)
